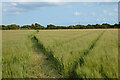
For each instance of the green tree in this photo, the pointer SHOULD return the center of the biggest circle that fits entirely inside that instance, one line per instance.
(51, 26)
(71, 27)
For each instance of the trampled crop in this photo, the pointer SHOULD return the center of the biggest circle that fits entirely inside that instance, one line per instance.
(71, 53)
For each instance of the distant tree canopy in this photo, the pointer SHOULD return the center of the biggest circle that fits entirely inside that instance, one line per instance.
(10, 27)
(37, 26)
(51, 26)
(33, 26)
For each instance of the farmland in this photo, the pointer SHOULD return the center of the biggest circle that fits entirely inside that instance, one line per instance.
(90, 53)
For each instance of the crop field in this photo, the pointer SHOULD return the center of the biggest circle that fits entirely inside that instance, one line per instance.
(85, 53)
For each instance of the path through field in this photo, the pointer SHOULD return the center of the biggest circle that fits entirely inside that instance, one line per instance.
(21, 59)
(61, 53)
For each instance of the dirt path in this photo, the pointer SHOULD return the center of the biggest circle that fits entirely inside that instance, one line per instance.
(42, 67)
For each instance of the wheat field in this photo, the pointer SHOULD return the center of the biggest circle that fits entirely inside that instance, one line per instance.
(85, 53)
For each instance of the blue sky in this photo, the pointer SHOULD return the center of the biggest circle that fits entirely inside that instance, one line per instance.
(61, 13)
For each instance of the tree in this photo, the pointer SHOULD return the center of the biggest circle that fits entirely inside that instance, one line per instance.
(116, 25)
(71, 27)
(38, 26)
(10, 27)
(51, 26)
(105, 25)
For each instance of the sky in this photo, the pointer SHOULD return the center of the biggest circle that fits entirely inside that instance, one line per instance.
(59, 13)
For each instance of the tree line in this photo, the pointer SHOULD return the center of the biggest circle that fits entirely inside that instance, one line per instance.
(37, 26)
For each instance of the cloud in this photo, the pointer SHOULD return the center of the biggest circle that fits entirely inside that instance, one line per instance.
(69, 6)
(110, 14)
(21, 7)
(14, 4)
(104, 19)
(88, 4)
(17, 12)
(116, 9)
(98, 19)
(76, 13)
(110, 0)
(104, 11)
(31, 1)
(109, 3)
(119, 12)
(93, 13)
(11, 8)
(0, 14)
(60, 0)
(113, 14)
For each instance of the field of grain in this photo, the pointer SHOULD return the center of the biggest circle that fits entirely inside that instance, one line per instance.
(90, 53)
(20, 59)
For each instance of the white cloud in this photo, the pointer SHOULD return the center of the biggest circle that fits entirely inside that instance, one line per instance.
(11, 8)
(15, 7)
(104, 19)
(60, 0)
(110, 14)
(31, 0)
(105, 11)
(113, 14)
(116, 9)
(4, 10)
(93, 13)
(17, 12)
(44, 3)
(98, 19)
(110, 0)
(14, 4)
(76, 13)
(69, 6)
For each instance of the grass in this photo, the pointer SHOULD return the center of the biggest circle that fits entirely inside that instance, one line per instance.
(60, 53)
(69, 52)
(0, 54)
(102, 60)
(21, 60)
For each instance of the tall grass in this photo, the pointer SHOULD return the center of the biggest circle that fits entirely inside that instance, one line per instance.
(68, 53)
(63, 53)
(0, 54)
(102, 60)
(21, 60)
(16, 55)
